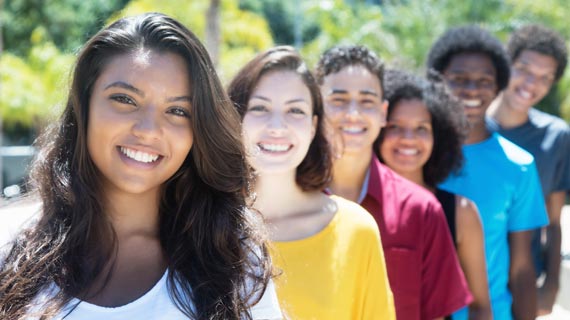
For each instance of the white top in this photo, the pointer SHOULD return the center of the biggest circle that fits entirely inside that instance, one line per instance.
(155, 304)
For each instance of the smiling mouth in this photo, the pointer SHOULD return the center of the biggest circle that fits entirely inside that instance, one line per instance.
(472, 103)
(408, 151)
(139, 156)
(274, 147)
(524, 94)
(353, 129)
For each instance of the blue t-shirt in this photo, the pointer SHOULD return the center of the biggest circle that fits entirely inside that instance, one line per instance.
(547, 138)
(502, 180)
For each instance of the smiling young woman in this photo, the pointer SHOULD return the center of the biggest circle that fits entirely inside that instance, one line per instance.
(327, 249)
(142, 185)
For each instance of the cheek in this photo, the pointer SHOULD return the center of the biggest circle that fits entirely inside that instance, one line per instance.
(386, 145)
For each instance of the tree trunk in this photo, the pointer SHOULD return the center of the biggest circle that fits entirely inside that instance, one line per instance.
(213, 37)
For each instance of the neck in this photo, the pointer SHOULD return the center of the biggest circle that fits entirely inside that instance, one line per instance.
(349, 172)
(134, 214)
(477, 133)
(278, 195)
(416, 177)
(505, 115)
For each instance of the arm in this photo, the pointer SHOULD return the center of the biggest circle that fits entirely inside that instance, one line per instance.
(522, 276)
(547, 293)
(471, 252)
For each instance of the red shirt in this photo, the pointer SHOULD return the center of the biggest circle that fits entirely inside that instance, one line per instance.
(424, 273)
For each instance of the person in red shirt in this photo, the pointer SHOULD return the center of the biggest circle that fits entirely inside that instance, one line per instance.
(423, 269)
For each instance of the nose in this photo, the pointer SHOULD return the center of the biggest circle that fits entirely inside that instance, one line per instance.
(353, 109)
(148, 124)
(406, 133)
(276, 123)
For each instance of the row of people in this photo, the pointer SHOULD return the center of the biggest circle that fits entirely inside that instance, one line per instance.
(153, 183)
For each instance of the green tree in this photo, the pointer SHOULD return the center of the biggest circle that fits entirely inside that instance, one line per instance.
(68, 23)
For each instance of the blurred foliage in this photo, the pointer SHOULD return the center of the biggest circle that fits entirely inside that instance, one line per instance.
(40, 34)
(283, 18)
(68, 23)
(34, 85)
(244, 33)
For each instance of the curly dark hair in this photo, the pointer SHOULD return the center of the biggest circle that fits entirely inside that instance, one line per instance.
(208, 236)
(336, 58)
(315, 171)
(447, 119)
(536, 37)
(474, 39)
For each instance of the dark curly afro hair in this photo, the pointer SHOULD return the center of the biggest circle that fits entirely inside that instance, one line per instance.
(535, 37)
(336, 58)
(447, 119)
(470, 38)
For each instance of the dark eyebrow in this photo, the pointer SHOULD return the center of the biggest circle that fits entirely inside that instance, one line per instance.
(261, 98)
(296, 100)
(368, 92)
(181, 98)
(124, 85)
(337, 91)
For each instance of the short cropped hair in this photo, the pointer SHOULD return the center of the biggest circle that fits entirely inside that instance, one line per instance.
(466, 39)
(337, 58)
(447, 120)
(535, 37)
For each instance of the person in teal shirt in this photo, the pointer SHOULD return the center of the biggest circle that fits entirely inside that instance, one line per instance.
(500, 177)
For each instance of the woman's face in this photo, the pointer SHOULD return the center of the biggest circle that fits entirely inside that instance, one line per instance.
(139, 129)
(279, 125)
(408, 137)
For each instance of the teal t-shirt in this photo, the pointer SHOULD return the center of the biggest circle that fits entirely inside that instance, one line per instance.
(501, 178)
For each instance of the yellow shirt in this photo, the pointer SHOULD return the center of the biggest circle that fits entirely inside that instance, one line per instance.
(338, 273)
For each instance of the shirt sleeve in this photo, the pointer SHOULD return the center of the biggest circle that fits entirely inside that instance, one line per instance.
(268, 306)
(527, 210)
(562, 173)
(444, 287)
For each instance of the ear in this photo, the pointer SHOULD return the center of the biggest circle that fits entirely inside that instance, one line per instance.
(383, 112)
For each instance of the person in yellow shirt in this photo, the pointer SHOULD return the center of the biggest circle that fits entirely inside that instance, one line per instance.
(327, 250)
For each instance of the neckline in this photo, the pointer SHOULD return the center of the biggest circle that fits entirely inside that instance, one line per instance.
(317, 236)
(140, 301)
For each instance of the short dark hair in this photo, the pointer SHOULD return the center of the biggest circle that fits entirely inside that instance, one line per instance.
(336, 58)
(536, 37)
(315, 171)
(447, 119)
(470, 38)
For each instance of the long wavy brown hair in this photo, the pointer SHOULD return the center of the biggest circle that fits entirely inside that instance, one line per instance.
(216, 255)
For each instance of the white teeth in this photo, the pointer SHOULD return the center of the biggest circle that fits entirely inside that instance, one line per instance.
(525, 94)
(139, 155)
(274, 147)
(408, 152)
(353, 129)
(472, 103)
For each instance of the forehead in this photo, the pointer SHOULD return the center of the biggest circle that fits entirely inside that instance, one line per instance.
(412, 109)
(352, 78)
(281, 83)
(537, 59)
(471, 63)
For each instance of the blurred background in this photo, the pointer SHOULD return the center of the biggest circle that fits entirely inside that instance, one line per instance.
(40, 39)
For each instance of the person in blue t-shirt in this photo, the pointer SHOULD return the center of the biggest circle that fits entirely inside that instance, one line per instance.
(539, 57)
(500, 177)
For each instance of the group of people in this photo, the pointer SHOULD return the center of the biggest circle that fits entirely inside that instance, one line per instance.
(349, 192)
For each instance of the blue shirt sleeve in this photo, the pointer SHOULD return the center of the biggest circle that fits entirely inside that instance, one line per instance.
(562, 175)
(528, 210)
